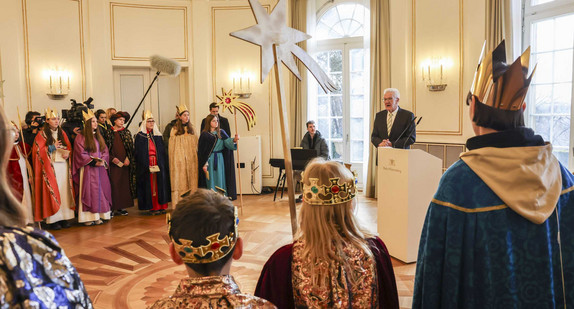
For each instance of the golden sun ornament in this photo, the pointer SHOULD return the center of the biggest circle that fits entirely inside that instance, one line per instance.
(229, 100)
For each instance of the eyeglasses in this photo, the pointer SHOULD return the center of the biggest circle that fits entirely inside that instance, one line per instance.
(152, 121)
(388, 99)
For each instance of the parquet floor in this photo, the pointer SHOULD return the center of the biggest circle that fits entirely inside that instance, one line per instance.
(125, 263)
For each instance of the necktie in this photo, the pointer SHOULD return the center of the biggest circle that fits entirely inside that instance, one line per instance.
(389, 123)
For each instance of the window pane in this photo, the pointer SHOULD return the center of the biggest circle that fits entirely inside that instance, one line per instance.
(564, 29)
(543, 39)
(357, 59)
(563, 66)
(322, 60)
(562, 156)
(537, 2)
(323, 105)
(357, 106)
(323, 127)
(343, 20)
(542, 126)
(357, 83)
(543, 95)
(336, 61)
(562, 98)
(357, 151)
(337, 78)
(543, 68)
(561, 131)
(336, 128)
(336, 150)
(357, 129)
(337, 106)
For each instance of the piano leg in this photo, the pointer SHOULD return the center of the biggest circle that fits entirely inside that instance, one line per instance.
(277, 185)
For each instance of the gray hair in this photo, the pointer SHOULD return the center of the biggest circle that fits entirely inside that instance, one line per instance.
(309, 122)
(394, 91)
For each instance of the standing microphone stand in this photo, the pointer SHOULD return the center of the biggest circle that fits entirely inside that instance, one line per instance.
(145, 95)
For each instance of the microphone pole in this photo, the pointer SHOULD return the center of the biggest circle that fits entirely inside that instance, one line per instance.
(413, 128)
(145, 95)
(408, 127)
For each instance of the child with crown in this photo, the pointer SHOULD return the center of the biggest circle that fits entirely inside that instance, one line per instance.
(53, 189)
(90, 173)
(203, 232)
(333, 262)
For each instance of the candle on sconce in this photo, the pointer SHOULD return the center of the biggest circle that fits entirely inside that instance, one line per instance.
(428, 68)
(60, 90)
(234, 83)
(241, 84)
(68, 82)
(248, 83)
(50, 81)
(441, 72)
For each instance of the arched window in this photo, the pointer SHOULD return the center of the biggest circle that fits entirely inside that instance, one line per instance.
(341, 21)
(342, 116)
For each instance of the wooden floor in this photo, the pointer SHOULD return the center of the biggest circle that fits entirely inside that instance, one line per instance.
(125, 263)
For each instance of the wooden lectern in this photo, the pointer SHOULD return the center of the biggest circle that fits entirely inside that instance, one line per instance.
(407, 180)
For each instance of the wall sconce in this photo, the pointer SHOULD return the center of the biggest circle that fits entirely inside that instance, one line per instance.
(434, 73)
(59, 84)
(243, 80)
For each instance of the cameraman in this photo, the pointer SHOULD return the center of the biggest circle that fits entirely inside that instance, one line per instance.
(32, 126)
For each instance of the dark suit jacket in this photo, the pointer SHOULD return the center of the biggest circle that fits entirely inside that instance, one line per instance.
(402, 121)
(223, 124)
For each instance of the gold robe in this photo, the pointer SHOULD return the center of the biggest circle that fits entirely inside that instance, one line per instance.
(182, 164)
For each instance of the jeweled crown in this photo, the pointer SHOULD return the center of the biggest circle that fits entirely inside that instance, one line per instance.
(89, 115)
(51, 113)
(504, 90)
(332, 194)
(181, 109)
(209, 253)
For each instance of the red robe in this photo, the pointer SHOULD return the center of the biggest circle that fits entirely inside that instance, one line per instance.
(14, 172)
(46, 192)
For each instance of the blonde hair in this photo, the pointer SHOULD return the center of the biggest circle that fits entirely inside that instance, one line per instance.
(11, 211)
(325, 230)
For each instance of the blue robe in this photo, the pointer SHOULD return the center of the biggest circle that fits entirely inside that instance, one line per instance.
(141, 156)
(209, 146)
(477, 252)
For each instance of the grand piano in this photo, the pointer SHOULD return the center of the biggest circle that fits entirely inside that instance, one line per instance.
(299, 159)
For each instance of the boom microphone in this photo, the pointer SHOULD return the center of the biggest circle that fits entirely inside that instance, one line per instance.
(159, 64)
(165, 65)
(405, 130)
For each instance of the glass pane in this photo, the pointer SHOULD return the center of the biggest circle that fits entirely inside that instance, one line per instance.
(357, 103)
(562, 156)
(321, 31)
(323, 127)
(355, 29)
(537, 2)
(337, 31)
(561, 131)
(564, 29)
(331, 17)
(336, 150)
(543, 35)
(336, 61)
(357, 151)
(563, 66)
(543, 95)
(337, 78)
(542, 126)
(337, 106)
(336, 128)
(357, 83)
(543, 68)
(357, 59)
(323, 60)
(562, 98)
(346, 10)
(323, 105)
(357, 129)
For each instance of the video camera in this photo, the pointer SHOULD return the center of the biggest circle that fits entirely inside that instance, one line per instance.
(74, 114)
(74, 117)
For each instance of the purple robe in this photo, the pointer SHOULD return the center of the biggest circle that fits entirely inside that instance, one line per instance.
(96, 189)
(275, 282)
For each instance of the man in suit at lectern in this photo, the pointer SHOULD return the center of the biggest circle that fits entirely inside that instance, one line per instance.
(498, 232)
(394, 126)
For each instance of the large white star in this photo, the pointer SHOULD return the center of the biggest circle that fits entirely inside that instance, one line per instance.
(271, 29)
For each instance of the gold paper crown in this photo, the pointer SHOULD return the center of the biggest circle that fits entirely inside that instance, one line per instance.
(89, 115)
(333, 194)
(147, 115)
(181, 109)
(504, 90)
(209, 253)
(51, 113)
